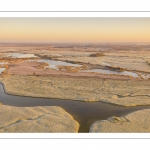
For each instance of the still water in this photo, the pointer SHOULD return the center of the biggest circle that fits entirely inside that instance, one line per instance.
(86, 113)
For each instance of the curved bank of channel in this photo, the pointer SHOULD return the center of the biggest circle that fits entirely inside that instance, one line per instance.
(86, 113)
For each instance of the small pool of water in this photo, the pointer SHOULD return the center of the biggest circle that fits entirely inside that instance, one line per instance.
(112, 72)
(1, 70)
(54, 63)
(20, 55)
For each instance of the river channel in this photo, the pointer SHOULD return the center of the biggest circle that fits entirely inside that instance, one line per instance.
(86, 113)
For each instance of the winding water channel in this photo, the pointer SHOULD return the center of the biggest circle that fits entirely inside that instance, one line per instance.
(85, 113)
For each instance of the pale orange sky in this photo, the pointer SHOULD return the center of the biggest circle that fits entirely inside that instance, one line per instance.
(74, 29)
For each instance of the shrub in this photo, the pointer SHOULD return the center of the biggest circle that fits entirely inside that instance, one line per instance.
(97, 55)
(120, 69)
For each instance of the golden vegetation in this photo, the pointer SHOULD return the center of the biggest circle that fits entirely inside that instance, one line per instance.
(73, 68)
(42, 65)
(97, 55)
(116, 68)
(120, 69)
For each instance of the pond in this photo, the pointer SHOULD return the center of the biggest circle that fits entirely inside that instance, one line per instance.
(1, 70)
(103, 71)
(86, 113)
(54, 63)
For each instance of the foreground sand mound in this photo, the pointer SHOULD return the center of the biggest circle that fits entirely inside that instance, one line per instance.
(36, 119)
(138, 121)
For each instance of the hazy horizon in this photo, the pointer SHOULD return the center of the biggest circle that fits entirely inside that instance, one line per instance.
(74, 30)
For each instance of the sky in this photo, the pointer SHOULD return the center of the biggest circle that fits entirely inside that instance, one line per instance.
(74, 29)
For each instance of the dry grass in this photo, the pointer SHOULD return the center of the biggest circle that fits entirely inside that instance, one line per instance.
(97, 55)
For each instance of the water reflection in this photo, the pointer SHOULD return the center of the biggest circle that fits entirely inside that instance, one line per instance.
(54, 63)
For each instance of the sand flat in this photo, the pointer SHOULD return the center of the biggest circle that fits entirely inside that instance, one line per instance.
(124, 93)
(136, 122)
(36, 119)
